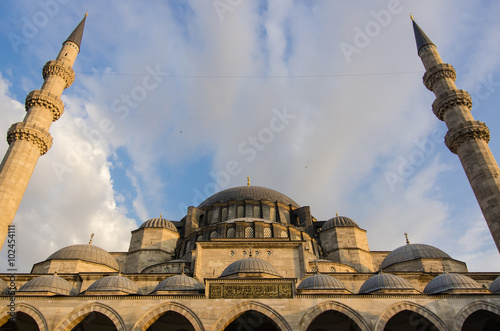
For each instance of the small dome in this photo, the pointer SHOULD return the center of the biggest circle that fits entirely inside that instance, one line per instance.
(250, 265)
(338, 221)
(158, 223)
(446, 282)
(179, 283)
(49, 283)
(413, 252)
(385, 282)
(321, 282)
(115, 283)
(248, 193)
(89, 253)
(495, 286)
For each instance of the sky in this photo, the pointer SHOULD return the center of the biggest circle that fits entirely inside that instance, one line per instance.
(320, 100)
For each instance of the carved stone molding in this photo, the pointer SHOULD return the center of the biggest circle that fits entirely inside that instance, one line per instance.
(59, 68)
(466, 131)
(437, 72)
(23, 131)
(51, 102)
(449, 99)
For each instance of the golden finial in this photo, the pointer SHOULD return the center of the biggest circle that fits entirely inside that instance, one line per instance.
(411, 16)
(90, 241)
(336, 213)
(248, 181)
(86, 13)
(250, 252)
(161, 214)
(407, 240)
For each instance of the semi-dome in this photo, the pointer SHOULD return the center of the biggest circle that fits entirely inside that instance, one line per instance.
(452, 282)
(48, 283)
(179, 283)
(89, 253)
(248, 193)
(115, 283)
(386, 282)
(250, 265)
(321, 282)
(495, 286)
(158, 222)
(338, 221)
(410, 252)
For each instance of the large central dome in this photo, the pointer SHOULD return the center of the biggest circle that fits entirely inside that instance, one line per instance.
(248, 193)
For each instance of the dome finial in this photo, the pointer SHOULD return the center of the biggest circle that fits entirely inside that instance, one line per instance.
(90, 241)
(250, 252)
(248, 181)
(407, 240)
(411, 16)
(161, 214)
(337, 213)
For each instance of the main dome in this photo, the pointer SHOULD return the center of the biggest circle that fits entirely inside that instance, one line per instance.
(248, 193)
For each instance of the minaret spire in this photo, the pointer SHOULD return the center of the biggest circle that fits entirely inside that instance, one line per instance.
(30, 139)
(466, 137)
(420, 37)
(76, 35)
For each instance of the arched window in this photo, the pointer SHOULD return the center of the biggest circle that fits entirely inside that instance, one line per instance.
(411, 321)
(252, 320)
(171, 321)
(248, 232)
(267, 233)
(482, 320)
(333, 320)
(94, 321)
(230, 233)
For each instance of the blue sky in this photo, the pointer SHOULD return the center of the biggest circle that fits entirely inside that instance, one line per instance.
(174, 100)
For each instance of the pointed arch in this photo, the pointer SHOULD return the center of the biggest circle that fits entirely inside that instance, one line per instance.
(317, 310)
(155, 313)
(77, 315)
(398, 307)
(29, 310)
(230, 315)
(471, 309)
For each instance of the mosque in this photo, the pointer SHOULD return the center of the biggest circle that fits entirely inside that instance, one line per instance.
(249, 257)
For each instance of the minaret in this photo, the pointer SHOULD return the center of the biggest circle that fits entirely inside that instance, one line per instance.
(30, 139)
(466, 137)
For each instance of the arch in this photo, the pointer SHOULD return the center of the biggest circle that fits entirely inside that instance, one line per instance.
(28, 310)
(76, 316)
(398, 307)
(317, 310)
(154, 313)
(472, 308)
(230, 315)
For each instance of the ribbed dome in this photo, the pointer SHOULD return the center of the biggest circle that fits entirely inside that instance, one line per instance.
(179, 283)
(248, 193)
(115, 283)
(49, 283)
(338, 221)
(89, 253)
(158, 223)
(447, 282)
(412, 252)
(495, 286)
(385, 282)
(321, 282)
(250, 265)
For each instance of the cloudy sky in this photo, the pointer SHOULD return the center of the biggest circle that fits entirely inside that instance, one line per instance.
(320, 100)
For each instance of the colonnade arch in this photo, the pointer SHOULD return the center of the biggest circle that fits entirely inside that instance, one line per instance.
(324, 307)
(76, 316)
(471, 309)
(233, 313)
(28, 310)
(400, 307)
(153, 314)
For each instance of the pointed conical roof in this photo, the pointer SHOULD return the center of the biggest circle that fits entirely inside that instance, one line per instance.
(76, 35)
(420, 37)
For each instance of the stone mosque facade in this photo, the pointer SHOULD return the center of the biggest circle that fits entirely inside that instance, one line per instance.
(251, 258)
